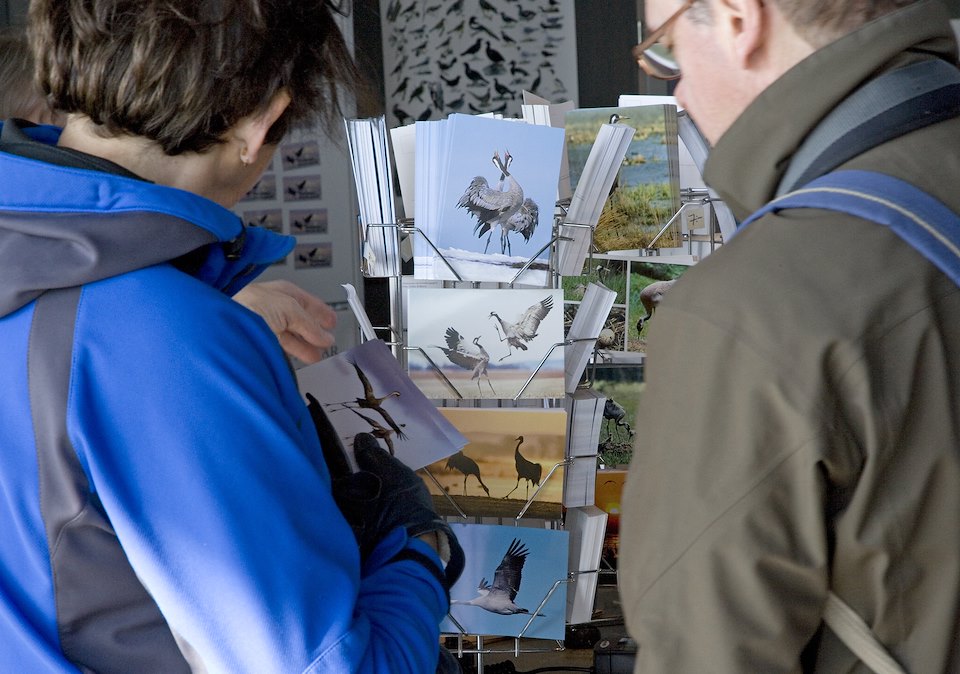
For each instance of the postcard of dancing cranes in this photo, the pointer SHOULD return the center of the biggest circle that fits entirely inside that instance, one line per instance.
(366, 390)
(511, 457)
(507, 582)
(486, 342)
(490, 202)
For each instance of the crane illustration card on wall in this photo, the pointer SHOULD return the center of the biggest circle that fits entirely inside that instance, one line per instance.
(512, 457)
(646, 191)
(364, 390)
(494, 205)
(486, 343)
(510, 583)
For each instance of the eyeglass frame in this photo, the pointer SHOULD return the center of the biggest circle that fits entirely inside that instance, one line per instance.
(640, 51)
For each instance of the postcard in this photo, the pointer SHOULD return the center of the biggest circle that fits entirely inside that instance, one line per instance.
(308, 221)
(622, 385)
(646, 191)
(299, 188)
(512, 457)
(609, 491)
(513, 582)
(312, 255)
(492, 212)
(649, 283)
(296, 154)
(270, 218)
(364, 390)
(478, 343)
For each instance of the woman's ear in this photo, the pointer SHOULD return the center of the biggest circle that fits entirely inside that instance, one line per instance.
(252, 131)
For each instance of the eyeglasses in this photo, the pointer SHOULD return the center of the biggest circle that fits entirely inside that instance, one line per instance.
(657, 59)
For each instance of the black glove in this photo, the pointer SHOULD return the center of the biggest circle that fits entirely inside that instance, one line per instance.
(403, 500)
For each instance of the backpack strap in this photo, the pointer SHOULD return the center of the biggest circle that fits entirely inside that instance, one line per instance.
(887, 107)
(918, 218)
(858, 637)
(106, 620)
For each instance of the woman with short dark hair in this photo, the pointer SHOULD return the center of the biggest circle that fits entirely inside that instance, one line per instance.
(164, 500)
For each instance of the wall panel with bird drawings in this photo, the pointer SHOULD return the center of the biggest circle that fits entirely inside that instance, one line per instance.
(487, 343)
(475, 56)
(507, 582)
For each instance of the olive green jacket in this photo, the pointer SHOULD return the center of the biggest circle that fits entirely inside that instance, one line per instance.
(800, 427)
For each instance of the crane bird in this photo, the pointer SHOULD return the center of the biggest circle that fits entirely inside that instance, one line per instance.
(650, 297)
(474, 358)
(525, 329)
(526, 469)
(463, 463)
(613, 411)
(499, 597)
(371, 402)
(496, 207)
(378, 430)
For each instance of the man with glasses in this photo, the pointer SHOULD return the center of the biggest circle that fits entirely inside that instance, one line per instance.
(799, 434)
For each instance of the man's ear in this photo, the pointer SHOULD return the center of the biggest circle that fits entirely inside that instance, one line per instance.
(252, 131)
(746, 22)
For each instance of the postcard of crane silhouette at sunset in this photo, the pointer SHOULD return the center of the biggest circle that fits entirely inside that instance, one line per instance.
(479, 343)
(490, 203)
(364, 390)
(513, 583)
(506, 462)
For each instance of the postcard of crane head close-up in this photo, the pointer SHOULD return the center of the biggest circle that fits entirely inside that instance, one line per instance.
(468, 343)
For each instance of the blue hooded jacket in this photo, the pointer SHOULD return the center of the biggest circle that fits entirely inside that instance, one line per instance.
(190, 432)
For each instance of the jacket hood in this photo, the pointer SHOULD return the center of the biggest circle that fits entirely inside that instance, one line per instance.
(62, 226)
(745, 171)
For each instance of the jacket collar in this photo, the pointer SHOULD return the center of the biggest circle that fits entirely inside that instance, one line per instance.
(69, 219)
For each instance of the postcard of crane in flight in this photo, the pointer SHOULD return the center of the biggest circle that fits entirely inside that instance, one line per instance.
(478, 343)
(513, 584)
(365, 390)
(492, 208)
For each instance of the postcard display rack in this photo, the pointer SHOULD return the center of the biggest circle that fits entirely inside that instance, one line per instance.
(386, 241)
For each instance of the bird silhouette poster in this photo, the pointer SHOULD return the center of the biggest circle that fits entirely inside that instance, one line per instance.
(474, 56)
(364, 390)
(478, 343)
(513, 583)
(490, 211)
(646, 192)
(512, 457)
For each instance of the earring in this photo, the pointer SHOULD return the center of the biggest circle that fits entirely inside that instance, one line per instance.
(245, 158)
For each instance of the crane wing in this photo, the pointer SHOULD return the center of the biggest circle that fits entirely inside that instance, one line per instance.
(457, 351)
(506, 579)
(484, 202)
(367, 386)
(524, 221)
(530, 321)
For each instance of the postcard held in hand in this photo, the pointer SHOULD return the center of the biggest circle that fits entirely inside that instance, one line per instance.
(364, 390)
